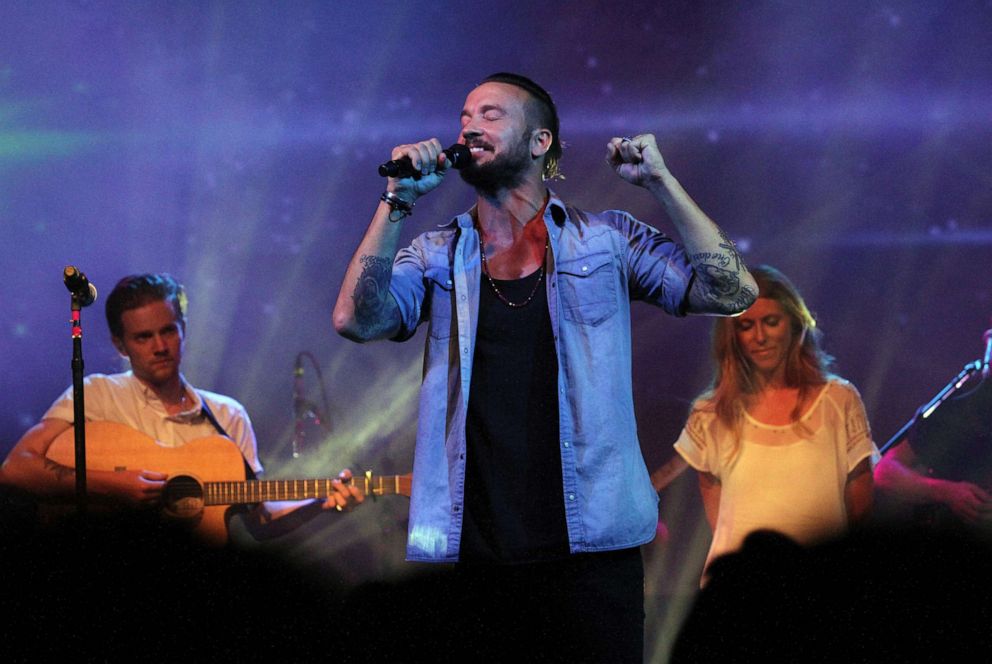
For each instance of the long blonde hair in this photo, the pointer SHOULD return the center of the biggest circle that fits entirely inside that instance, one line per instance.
(806, 366)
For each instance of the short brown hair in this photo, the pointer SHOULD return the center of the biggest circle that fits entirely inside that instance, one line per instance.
(137, 290)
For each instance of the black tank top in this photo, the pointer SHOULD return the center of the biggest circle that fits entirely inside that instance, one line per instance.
(514, 500)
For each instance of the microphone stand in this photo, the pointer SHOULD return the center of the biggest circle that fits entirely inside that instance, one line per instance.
(78, 405)
(299, 408)
(303, 410)
(928, 408)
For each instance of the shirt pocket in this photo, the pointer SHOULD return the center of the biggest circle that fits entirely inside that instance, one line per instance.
(440, 285)
(587, 287)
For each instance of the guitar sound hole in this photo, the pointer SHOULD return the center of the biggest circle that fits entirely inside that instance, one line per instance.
(183, 497)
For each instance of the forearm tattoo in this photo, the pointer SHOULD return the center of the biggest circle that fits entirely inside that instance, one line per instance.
(61, 472)
(371, 294)
(718, 279)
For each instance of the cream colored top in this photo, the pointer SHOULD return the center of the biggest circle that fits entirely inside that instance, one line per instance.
(782, 478)
(125, 399)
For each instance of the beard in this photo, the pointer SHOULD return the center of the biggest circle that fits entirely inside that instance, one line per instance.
(504, 172)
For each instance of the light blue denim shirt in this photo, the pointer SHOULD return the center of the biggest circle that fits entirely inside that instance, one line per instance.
(600, 262)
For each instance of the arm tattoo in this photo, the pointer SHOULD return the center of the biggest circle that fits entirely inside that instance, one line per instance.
(718, 278)
(371, 294)
(60, 471)
(731, 248)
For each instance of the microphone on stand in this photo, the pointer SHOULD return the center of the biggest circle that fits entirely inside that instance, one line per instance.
(79, 286)
(458, 156)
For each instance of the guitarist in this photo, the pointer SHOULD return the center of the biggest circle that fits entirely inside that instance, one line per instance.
(943, 467)
(147, 318)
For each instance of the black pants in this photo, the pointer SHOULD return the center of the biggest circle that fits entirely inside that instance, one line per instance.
(583, 608)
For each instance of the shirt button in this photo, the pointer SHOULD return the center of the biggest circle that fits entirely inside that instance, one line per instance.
(565, 443)
(463, 296)
(585, 268)
(571, 496)
(449, 282)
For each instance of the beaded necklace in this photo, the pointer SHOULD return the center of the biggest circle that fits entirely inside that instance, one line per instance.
(492, 283)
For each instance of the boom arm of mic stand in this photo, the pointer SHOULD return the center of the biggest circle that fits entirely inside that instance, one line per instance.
(927, 409)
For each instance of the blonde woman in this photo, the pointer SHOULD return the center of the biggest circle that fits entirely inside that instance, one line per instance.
(779, 443)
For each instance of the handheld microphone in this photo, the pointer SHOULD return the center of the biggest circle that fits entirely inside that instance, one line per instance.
(79, 286)
(458, 156)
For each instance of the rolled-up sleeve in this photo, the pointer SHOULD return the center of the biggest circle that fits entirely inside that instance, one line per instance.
(658, 269)
(408, 289)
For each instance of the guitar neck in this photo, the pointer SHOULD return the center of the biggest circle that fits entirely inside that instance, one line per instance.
(257, 491)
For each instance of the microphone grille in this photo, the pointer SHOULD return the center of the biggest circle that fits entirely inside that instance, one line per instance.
(459, 155)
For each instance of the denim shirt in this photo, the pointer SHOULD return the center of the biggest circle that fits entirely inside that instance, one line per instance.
(599, 263)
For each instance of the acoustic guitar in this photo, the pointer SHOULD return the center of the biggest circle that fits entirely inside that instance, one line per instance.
(205, 476)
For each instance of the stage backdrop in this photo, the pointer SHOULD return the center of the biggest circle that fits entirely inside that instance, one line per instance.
(234, 144)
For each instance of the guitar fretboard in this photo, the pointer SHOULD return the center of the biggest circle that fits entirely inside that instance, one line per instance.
(257, 491)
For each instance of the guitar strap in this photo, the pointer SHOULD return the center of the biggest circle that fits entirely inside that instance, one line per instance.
(209, 414)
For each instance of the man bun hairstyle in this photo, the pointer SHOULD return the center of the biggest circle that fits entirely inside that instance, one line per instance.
(542, 109)
(137, 290)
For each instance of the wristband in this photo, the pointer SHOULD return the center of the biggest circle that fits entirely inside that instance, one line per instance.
(396, 204)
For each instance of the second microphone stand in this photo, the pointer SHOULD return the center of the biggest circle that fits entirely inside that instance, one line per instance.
(928, 408)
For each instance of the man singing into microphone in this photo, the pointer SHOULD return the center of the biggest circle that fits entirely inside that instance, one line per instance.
(527, 469)
(147, 318)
